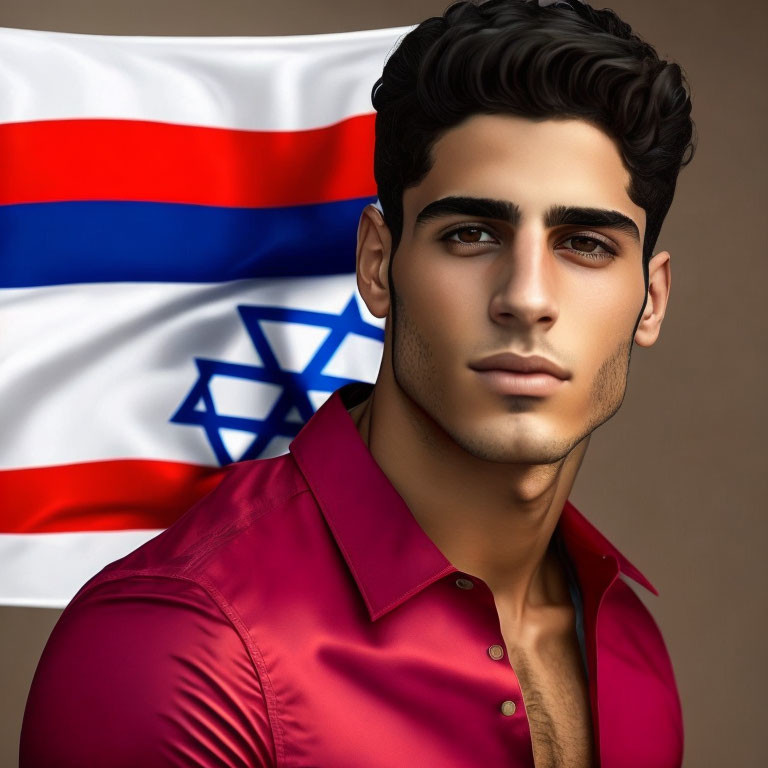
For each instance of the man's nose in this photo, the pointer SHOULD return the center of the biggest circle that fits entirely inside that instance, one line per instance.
(525, 283)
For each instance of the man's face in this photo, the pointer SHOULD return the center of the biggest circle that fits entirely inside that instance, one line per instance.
(542, 275)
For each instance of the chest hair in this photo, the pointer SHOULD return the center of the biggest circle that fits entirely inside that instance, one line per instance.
(556, 700)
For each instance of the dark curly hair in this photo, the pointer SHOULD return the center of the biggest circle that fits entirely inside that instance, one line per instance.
(516, 57)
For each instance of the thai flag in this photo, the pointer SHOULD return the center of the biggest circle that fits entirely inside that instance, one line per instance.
(177, 291)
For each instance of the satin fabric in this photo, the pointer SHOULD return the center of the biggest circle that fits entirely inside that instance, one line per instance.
(299, 616)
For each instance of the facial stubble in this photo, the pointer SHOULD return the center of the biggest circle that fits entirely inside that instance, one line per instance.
(416, 374)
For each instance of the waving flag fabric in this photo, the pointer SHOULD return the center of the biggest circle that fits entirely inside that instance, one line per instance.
(177, 292)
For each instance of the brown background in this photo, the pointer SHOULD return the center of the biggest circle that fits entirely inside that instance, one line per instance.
(678, 477)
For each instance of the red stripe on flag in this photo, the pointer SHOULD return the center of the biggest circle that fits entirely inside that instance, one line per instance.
(56, 160)
(101, 496)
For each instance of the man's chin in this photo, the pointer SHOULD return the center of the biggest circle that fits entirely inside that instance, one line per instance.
(503, 449)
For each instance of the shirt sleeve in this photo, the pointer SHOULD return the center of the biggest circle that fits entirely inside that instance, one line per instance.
(145, 671)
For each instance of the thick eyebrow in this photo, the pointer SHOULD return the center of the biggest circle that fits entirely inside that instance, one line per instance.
(559, 215)
(505, 210)
(485, 207)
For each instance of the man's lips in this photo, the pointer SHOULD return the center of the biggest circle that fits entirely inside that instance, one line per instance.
(513, 363)
(510, 374)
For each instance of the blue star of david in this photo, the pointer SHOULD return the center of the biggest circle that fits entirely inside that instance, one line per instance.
(198, 407)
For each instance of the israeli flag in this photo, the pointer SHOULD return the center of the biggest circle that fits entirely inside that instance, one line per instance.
(177, 292)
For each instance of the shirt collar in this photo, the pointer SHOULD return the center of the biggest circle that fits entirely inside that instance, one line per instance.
(390, 556)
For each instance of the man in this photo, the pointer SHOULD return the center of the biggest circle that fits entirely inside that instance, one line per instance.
(410, 586)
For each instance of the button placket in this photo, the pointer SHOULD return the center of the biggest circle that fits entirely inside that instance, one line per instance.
(495, 651)
(507, 707)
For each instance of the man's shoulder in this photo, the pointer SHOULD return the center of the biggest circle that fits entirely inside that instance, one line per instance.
(228, 526)
(633, 645)
(635, 676)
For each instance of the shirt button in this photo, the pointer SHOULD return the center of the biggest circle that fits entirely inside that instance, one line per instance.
(508, 708)
(496, 652)
(463, 583)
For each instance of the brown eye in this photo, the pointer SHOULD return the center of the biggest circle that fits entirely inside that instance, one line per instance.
(589, 247)
(586, 244)
(469, 236)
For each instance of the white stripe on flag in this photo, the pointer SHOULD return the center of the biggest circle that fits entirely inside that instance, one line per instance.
(254, 83)
(45, 570)
(95, 371)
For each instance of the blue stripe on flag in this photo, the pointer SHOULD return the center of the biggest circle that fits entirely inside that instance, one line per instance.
(109, 241)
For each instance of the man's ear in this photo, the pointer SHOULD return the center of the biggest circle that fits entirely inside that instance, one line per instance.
(659, 281)
(374, 244)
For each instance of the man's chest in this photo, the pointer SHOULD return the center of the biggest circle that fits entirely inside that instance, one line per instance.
(551, 676)
(425, 685)
(422, 685)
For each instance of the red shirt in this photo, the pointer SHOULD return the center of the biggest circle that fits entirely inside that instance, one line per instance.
(299, 616)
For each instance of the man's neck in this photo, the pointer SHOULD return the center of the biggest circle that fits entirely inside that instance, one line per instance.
(491, 520)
